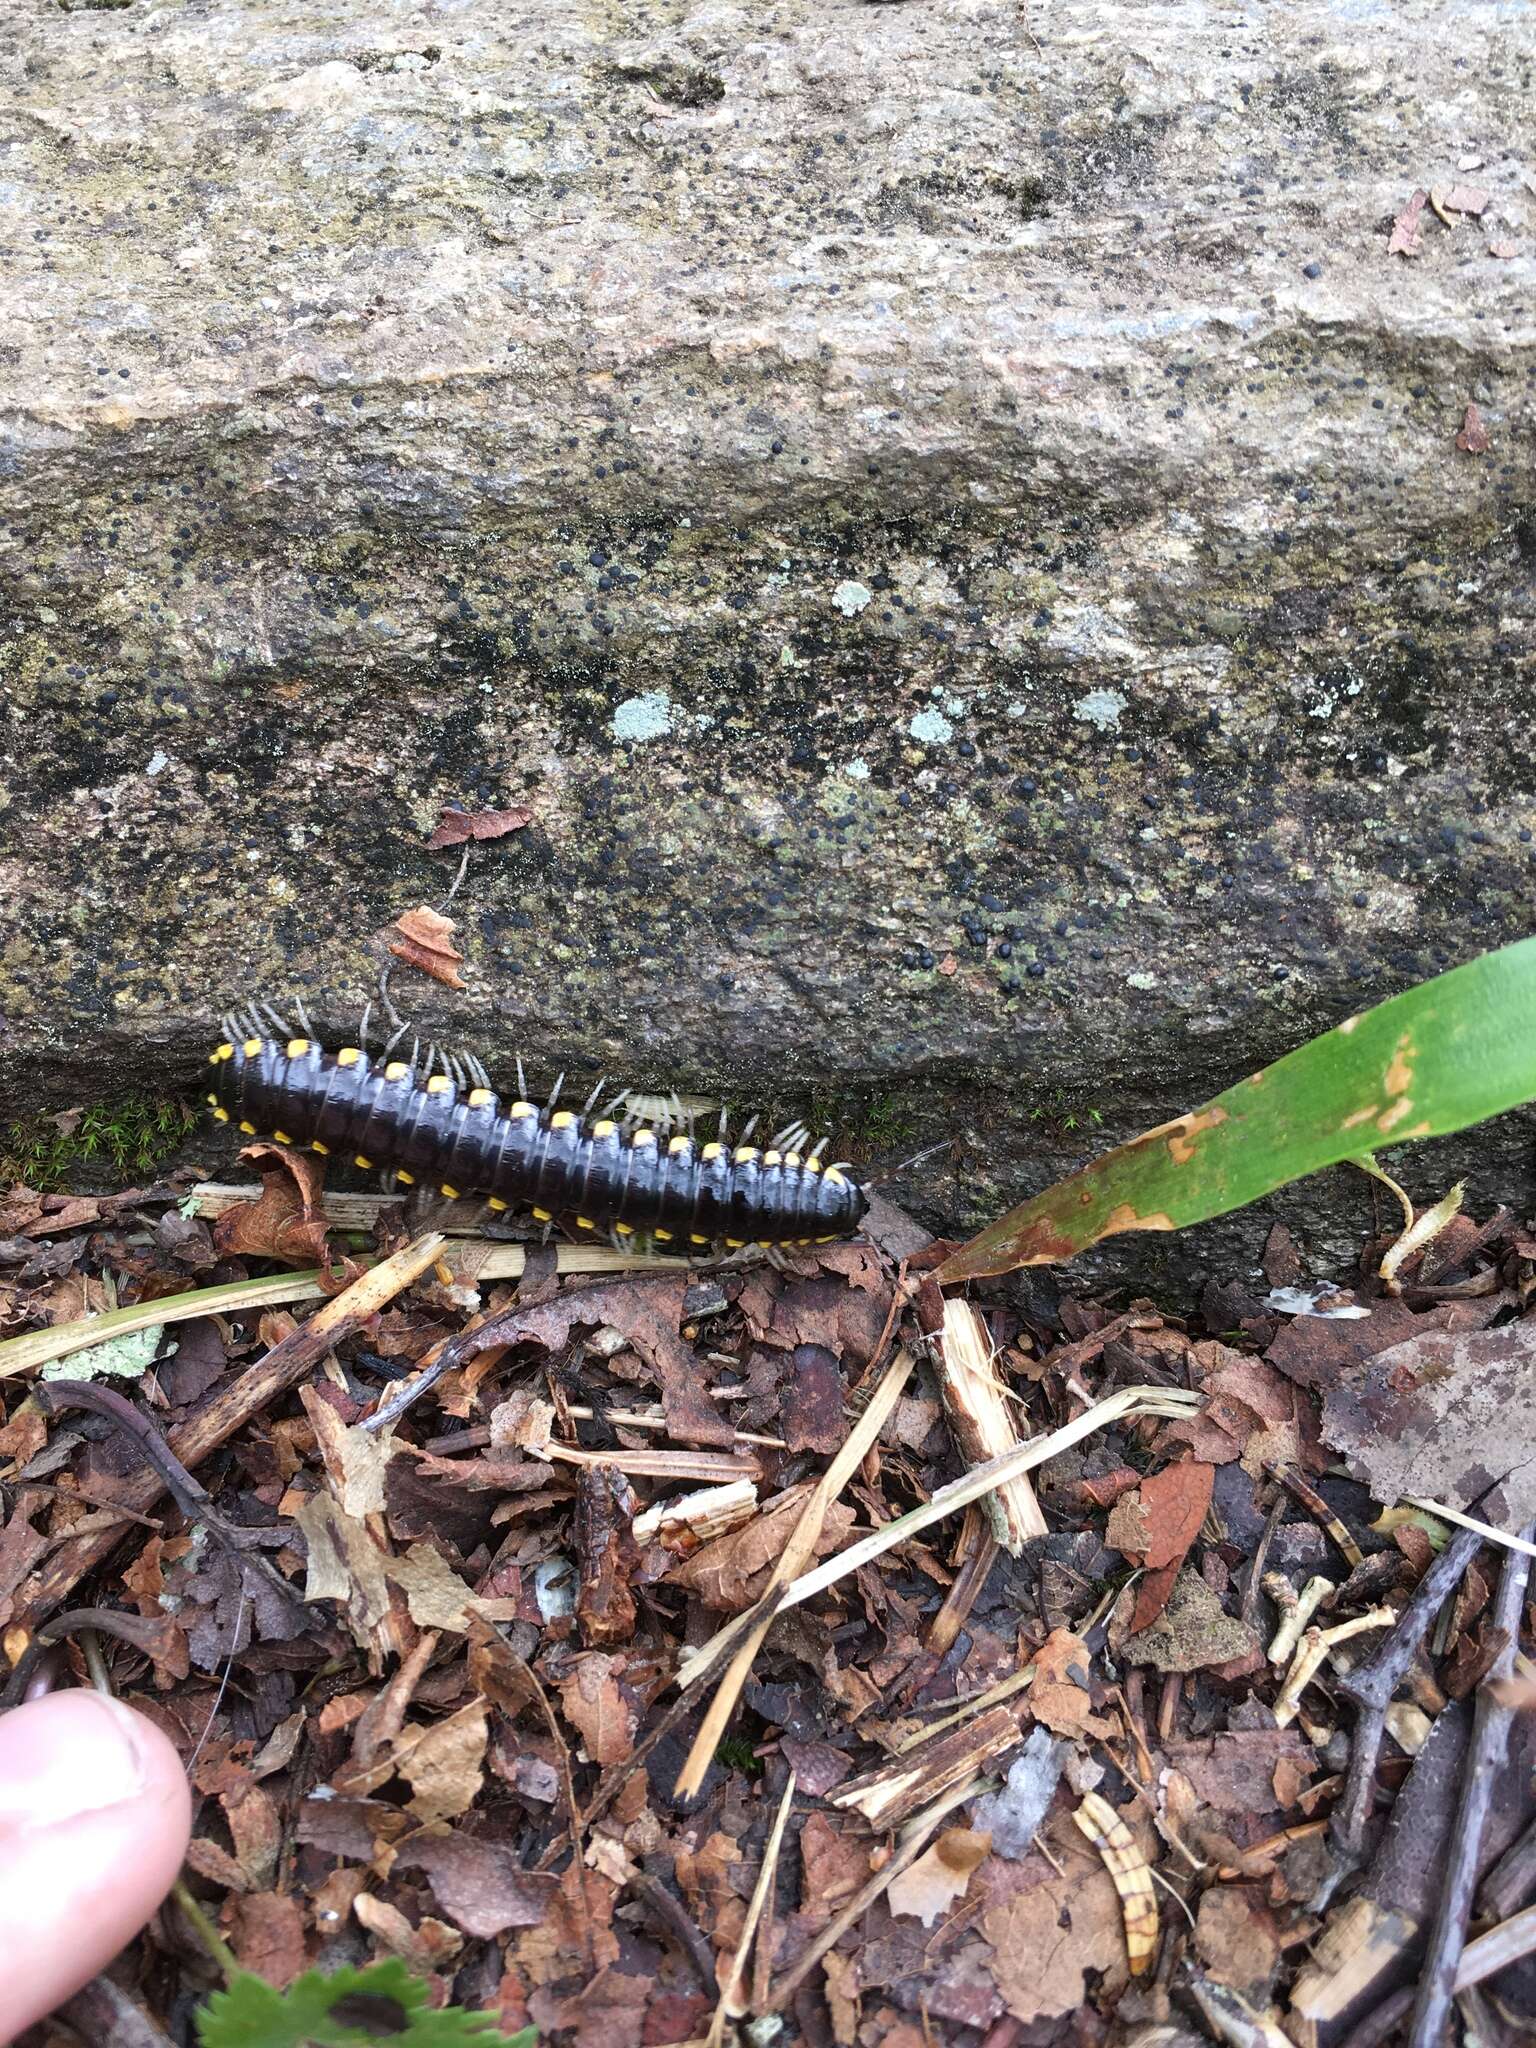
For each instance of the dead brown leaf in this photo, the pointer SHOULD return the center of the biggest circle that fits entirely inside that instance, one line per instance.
(1451, 199)
(1045, 1941)
(1059, 1697)
(481, 1886)
(649, 1314)
(1407, 228)
(267, 1936)
(444, 1763)
(608, 1555)
(287, 1220)
(929, 1887)
(426, 942)
(728, 1573)
(454, 827)
(1474, 438)
(1239, 1940)
(812, 1410)
(1444, 1416)
(597, 1705)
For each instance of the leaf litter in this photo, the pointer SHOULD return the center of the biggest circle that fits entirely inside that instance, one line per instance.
(571, 1732)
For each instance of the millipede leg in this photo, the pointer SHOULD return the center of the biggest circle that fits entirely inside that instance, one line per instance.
(592, 1098)
(362, 1027)
(283, 1027)
(302, 1014)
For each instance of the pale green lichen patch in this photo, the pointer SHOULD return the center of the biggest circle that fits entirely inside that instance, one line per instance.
(642, 718)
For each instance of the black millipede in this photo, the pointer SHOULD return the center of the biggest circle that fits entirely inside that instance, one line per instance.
(439, 1123)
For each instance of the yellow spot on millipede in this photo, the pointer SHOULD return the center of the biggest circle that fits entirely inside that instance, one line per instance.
(679, 1144)
(251, 1047)
(213, 1102)
(348, 1056)
(406, 1180)
(542, 1216)
(495, 1202)
(359, 1160)
(281, 1138)
(480, 1098)
(316, 1146)
(712, 1151)
(643, 1138)
(249, 1129)
(297, 1047)
(624, 1229)
(438, 1084)
(451, 1193)
(772, 1158)
(694, 1238)
(791, 1158)
(522, 1109)
(604, 1127)
(585, 1223)
(396, 1070)
(221, 1115)
(562, 1119)
(662, 1236)
(743, 1153)
(735, 1243)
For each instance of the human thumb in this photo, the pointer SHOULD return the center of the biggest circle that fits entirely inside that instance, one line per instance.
(94, 1820)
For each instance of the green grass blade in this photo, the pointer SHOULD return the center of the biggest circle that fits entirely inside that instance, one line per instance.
(1446, 1054)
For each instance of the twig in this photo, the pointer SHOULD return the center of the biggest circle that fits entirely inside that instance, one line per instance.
(1373, 1683)
(1310, 1498)
(919, 1830)
(56, 1397)
(36, 1348)
(573, 1813)
(1129, 1401)
(137, 1630)
(1490, 1738)
(733, 2002)
(206, 1932)
(1497, 1949)
(800, 1548)
(1249, 1612)
(675, 1916)
(229, 1410)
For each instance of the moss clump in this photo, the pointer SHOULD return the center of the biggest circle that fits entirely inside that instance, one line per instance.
(127, 1134)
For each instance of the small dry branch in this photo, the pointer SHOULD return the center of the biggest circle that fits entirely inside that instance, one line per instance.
(983, 1427)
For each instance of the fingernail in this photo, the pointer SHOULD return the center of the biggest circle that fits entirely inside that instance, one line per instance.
(72, 1753)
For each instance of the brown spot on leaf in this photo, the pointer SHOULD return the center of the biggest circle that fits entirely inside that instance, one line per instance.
(1399, 1074)
(1183, 1132)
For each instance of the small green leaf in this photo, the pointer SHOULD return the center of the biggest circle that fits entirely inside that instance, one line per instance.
(1435, 1059)
(383, 2004)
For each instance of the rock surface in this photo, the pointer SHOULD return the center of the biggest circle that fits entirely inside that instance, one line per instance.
(950, 514)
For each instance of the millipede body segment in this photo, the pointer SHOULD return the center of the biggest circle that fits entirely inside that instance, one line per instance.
(630, 1179)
